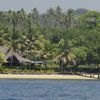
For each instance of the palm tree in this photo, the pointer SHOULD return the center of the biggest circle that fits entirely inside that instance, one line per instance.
(69, 18)
(65, 58)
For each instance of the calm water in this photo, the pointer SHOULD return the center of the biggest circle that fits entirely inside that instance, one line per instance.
(49, 90)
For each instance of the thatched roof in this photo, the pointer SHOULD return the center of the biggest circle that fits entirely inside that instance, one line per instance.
(37, 62)
(19, 58)
(10, 53)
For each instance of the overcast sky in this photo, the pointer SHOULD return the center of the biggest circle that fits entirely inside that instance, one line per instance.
(43, 5)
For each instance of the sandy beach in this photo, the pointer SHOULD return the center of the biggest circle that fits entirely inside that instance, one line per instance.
(19, 76)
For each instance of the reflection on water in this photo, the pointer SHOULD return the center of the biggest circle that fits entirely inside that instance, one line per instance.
(49, 90)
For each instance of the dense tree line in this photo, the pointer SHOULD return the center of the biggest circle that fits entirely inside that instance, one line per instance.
(64, 37)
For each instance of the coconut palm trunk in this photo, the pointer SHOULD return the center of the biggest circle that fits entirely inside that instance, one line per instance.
(64, 59)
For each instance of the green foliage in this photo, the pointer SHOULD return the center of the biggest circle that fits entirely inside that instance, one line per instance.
(2, 58)
(45, 36)
(80, 53)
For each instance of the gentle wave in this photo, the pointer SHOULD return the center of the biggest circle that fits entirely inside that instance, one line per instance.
(49, 89)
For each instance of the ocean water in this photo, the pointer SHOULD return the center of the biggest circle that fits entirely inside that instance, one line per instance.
(12, 89)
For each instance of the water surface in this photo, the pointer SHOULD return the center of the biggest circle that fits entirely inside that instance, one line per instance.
(49, 89)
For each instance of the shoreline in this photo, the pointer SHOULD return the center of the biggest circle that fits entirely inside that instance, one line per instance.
(60, 77)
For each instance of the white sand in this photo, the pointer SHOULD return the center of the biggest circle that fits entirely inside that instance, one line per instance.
(19, 76)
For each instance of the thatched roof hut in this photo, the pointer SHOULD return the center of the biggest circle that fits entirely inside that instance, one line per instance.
(19, 58)
(15, 59)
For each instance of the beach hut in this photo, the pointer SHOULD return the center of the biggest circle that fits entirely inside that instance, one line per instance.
(15, 59)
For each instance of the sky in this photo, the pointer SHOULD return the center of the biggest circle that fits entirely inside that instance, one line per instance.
(43, 5)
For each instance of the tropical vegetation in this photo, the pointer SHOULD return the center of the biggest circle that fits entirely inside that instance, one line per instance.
(66, 38)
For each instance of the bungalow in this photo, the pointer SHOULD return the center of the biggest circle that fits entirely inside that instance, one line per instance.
(15, 59)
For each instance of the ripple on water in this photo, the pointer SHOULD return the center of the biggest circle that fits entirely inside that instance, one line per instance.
(49, 90)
